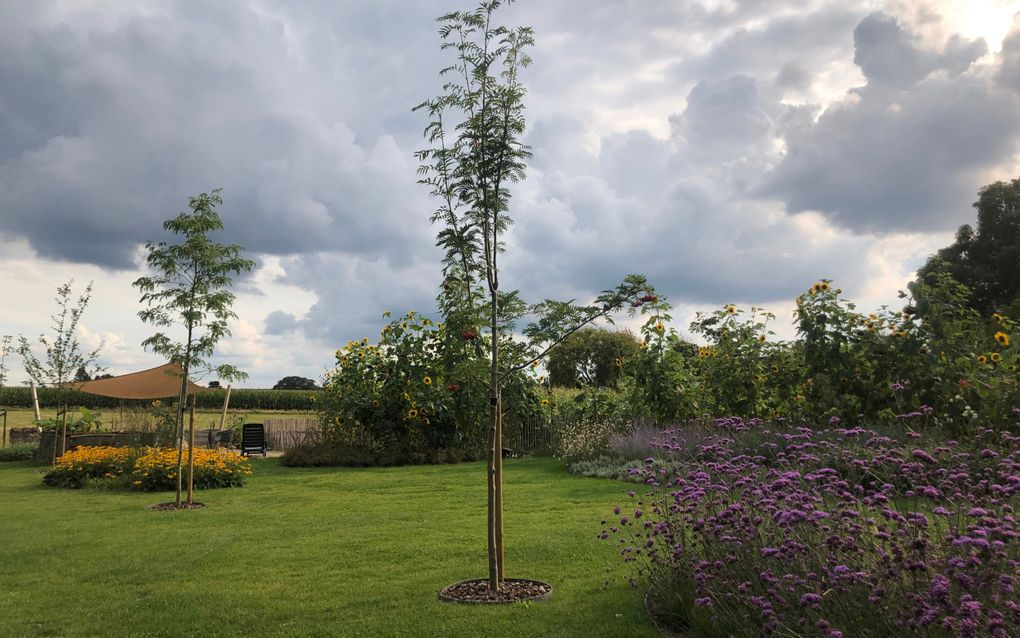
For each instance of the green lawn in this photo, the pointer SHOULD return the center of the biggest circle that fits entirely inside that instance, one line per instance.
(309, 552)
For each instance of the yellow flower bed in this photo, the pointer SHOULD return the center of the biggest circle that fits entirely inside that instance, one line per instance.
(147, 468)
(156, 469)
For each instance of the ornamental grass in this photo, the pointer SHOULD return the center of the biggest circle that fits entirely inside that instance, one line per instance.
(147, 469)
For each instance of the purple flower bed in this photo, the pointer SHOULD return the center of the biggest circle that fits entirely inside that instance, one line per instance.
(763, 529)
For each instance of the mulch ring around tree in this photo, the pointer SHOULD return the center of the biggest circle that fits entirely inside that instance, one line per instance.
(511, 591)
(169, 507)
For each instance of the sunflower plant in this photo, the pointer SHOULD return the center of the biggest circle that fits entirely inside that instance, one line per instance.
(417, 390)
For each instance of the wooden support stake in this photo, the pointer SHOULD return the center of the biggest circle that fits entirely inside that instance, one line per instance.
(226, 402)
(191, 449)
(35, 402)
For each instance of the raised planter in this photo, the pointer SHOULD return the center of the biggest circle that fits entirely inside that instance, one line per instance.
(21, 436)
(93, 439)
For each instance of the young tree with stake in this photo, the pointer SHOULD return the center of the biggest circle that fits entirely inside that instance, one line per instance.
(475, 131)
(63, 353)
(190, 288)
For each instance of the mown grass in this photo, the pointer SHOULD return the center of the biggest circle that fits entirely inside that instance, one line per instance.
(309, 552)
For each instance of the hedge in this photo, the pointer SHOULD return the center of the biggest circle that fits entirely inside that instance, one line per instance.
(240, 399)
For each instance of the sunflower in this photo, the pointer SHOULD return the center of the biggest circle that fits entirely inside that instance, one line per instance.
(412, 413)
(997, 316)
(1002, 338)
(730, 309)
(982, 359)
(761, 338)
(823, 286)
(375, 403)
(407, 396)
(619, 362)
(659, 327)
(545, 402)
(427, 380)
(996, 357)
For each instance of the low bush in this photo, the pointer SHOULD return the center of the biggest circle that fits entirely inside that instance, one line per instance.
(775, 529)
(345, 452)
(147, 469)
(22, 452)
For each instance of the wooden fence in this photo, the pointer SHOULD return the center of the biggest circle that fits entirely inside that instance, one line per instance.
(283, 434)
(525, 436)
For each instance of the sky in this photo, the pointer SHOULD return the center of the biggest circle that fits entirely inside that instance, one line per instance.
(733, 151)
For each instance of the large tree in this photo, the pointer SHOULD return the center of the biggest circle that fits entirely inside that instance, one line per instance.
(189, 288)
(295, 383)
(987, 260)
(591, 357)
(63, 355)
(475, 130)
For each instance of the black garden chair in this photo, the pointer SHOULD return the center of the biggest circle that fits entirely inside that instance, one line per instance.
(253, 438)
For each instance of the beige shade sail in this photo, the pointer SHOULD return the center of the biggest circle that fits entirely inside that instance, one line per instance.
(156, 383)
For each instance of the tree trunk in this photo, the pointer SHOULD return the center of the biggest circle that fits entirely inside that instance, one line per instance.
(495, 469)
(499, 488)
(180, 435)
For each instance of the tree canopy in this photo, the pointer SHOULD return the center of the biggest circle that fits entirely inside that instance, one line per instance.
(295, 383)
(591, 356)
(987, 260)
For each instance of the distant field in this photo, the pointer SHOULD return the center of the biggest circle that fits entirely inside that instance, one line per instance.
(23, 418)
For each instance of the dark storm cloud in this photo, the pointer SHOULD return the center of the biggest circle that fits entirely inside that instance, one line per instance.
(108, 129)
(907, 151)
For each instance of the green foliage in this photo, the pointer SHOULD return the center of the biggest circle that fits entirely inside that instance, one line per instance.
(987, 260)
(661, 382)
(84, 421)
(419, 389)
(591, 356)
(734, 370)
(295, 383)
(936, 357)
(63, 351)
(20, 452)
